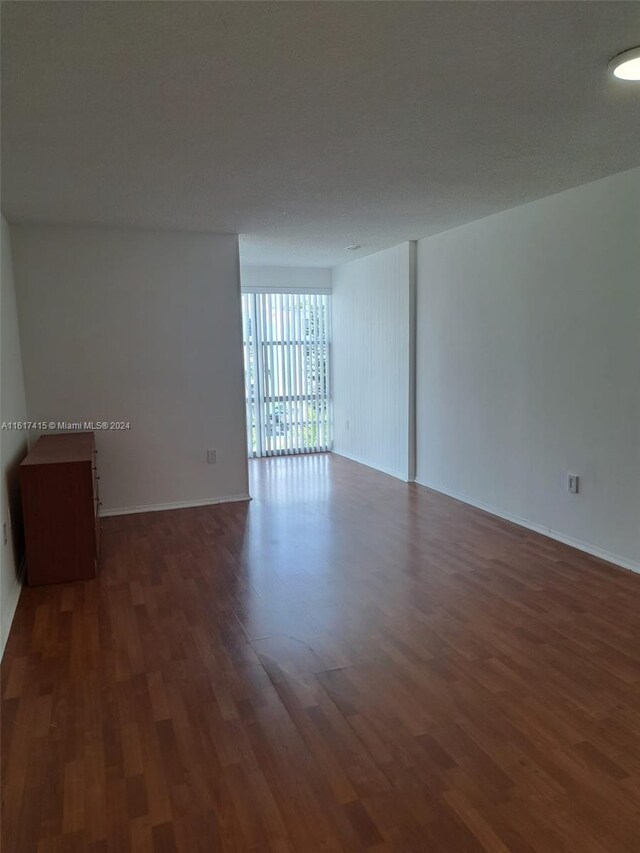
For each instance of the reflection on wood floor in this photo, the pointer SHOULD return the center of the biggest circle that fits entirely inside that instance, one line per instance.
(346, 663)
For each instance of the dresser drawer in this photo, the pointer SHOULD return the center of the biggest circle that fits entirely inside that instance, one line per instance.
(59, 484)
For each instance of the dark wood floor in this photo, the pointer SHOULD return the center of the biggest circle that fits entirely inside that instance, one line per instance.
(347, 663)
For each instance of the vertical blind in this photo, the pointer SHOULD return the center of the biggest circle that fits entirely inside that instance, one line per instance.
(287, 373)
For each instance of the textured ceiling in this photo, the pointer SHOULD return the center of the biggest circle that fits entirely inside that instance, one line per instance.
(306, 127)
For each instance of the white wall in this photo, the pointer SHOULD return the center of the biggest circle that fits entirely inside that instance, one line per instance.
(371, 376)
(288, 279)
(13, 444)
(528, 364)
(139, 326)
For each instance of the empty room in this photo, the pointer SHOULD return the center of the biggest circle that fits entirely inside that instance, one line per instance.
(320, 426)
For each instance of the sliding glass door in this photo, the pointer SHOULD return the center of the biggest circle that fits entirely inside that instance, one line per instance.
(287, 373)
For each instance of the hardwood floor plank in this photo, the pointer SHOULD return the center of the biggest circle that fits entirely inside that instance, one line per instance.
(348, 663)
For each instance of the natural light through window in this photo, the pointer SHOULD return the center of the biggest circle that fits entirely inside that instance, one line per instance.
(287, 372)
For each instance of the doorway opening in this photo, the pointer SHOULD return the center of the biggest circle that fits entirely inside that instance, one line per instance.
(287, 370)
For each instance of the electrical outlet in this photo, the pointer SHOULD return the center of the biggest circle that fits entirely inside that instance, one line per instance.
(211, 457)
(346, 425)
(573, 484)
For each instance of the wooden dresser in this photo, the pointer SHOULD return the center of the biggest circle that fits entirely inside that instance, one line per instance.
(60, 503)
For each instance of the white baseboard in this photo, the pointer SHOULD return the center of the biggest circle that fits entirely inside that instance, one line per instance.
(9, 606)
(131, 510)
(587, 547)
(361, 461)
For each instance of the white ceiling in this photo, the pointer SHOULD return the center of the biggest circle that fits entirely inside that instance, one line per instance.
(306, 127)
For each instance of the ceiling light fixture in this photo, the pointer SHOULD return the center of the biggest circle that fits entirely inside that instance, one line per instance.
(353, 247)
(626, 65)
